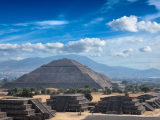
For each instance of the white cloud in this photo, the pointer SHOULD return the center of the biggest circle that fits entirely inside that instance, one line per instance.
(151, 16)
(83, 45)
(145, 49)
(108, 5)
(96, 20)
(50, 23)
(131, 24)
(43, 23)
(95, 55)
(151, 44)
(128, 51)
(120, 55)
(156, 3)
(140, 41)
(16, 58)
(151, 27)
(134, 41)
(125, 23)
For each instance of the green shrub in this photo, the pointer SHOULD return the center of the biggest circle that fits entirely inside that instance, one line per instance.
(61, 90)
(48, 91)
(88, 96)
(95, 89)
(36, 92)
(26, 89)
(23, 94)
(32, 89)
(54, 93)
(43, 91)
(86, 86)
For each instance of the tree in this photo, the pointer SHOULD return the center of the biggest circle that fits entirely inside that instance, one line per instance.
(13, 91)
(144, 88)
(61, 90)
(43, 91)
(126, 94)
(48, 91)
(124, 82)
(58, 92)
(88, 96)
(26, 88)
(136, 87)
(109, 91)
(115, 89)
(37, 92)
(32, 89)
(129, 88)
(106, 87)
(95, 89)
(54, 93)
(24, 94)
(86, 86)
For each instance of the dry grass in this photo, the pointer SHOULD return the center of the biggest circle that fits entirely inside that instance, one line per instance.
(98, 95)
(44, 97)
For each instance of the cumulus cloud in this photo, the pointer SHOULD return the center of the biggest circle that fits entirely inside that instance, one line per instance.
(125, 23)
(151, 27)
(83, 45)
(120, 55)
(131, 24)
(128, 51)
(145, 49)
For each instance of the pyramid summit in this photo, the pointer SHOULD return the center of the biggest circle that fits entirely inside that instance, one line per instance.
(63, 73)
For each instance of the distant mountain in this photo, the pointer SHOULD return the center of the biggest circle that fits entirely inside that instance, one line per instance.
(118, 72)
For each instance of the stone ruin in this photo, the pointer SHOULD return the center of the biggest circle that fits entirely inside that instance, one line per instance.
(150, 102)
(118, 104)
(20, 108)
(68, 103)
(63, 73)
(3, 116)
(128, 105)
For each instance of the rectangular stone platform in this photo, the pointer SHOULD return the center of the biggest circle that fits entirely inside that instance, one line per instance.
(20, 108)
(68, 102)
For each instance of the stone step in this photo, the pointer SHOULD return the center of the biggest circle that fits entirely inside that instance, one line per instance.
(43, 108)
(7, 118)
(3, 114)
(149, 106)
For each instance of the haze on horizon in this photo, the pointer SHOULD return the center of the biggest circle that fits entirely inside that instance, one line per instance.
(113, 32)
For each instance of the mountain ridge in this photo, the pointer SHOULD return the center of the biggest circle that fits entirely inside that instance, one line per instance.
(111, 71)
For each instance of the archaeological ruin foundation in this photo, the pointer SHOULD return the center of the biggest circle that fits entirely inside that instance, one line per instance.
(68, 103)
(127, 105)
(20, 108)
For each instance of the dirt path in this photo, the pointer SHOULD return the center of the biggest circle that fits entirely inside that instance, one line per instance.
(74, 115)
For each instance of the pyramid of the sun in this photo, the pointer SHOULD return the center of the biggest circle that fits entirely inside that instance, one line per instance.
(62, 73)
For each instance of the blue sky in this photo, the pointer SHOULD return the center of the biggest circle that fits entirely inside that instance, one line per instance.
(113, 32)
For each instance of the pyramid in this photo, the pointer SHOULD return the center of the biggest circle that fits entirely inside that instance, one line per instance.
(63, 73)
